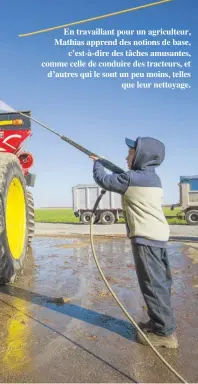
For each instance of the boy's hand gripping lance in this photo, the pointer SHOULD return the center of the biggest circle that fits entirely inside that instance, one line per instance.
(106, 163)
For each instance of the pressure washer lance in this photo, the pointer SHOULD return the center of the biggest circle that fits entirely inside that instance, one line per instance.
(107, 164)
(112, 167)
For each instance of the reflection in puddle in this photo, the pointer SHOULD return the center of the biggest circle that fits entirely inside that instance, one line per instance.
(15, 344)
(66, 268)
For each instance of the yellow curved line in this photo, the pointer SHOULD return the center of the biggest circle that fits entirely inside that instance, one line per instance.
(96, 18)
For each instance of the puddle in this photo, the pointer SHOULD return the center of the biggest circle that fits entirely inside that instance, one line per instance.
(66, 268)
(62, 289)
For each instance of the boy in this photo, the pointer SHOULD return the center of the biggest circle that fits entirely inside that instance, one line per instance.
(148, 231)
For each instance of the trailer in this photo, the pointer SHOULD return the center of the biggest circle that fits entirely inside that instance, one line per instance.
(188, 188)
(109, 210)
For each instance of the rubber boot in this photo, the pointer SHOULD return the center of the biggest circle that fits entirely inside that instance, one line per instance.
(158, 341)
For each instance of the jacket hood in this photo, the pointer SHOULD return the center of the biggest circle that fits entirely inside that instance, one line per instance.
(150, 153)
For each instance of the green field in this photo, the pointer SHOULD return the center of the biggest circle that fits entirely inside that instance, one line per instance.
(67, 216)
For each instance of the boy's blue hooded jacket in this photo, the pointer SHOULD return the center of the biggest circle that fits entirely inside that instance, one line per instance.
(141, 192)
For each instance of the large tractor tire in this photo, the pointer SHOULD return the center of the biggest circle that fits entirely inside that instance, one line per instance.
(31, 218)
(14, 218)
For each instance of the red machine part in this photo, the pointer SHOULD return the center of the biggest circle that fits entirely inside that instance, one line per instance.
(26, 159)
(11, 141)
(14, 130)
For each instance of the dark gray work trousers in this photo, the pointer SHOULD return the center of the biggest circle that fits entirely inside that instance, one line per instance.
(155, 280)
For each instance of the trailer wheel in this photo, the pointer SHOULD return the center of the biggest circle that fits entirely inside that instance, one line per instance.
(107, 218)
(192, 217)
(86, 217)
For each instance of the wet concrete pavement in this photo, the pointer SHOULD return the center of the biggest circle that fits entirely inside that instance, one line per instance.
(88, 338)
(51, 229)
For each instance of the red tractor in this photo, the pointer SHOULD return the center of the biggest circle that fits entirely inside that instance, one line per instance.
(16, 202)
